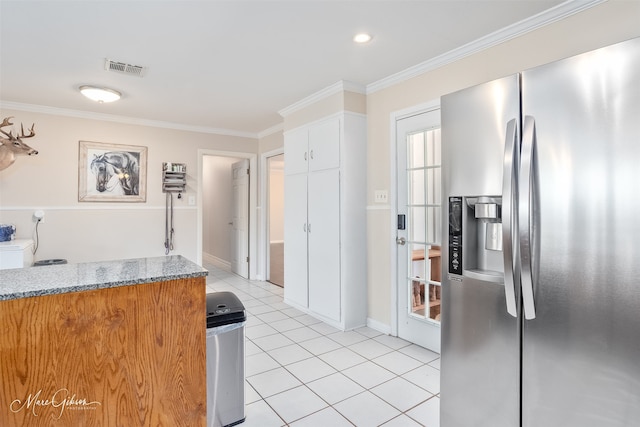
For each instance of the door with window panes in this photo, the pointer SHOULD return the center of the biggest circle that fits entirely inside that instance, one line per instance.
(419, 208)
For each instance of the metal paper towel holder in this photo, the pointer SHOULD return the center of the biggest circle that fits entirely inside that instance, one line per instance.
(174, 178)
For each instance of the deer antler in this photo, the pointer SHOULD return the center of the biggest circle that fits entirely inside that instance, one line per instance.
(5, 123)
(13, 146)
(31, 131)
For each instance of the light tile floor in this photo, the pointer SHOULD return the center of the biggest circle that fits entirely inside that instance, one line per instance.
(302, 372)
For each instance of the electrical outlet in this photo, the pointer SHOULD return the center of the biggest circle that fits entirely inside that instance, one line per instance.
(38, 216)
(381, 196)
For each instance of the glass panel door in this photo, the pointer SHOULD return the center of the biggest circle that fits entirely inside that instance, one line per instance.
(423, 220)
(418, 199)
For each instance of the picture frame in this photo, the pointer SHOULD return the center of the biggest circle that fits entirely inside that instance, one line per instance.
(111, 172)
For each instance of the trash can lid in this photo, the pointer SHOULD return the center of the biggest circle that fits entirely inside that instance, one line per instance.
(224, 308)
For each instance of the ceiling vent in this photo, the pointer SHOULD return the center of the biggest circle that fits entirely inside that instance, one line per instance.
(123, 68)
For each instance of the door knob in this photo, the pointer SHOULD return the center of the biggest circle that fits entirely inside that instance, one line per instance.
(401, 241)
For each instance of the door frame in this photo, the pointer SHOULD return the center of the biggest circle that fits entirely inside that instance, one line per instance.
(253, 197)
(264, 212)
(393, 199)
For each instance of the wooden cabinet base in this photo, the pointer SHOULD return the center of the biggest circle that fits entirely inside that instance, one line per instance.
(125, 356)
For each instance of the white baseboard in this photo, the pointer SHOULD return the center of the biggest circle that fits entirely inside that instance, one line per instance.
(379, 326)
(212, 259)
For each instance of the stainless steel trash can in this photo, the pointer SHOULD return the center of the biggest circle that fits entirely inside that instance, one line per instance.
(225, 359)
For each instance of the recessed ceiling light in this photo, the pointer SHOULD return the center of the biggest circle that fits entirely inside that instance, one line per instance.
(362, 38)
(100, 94)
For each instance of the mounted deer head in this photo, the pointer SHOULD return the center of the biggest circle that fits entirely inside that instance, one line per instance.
(12, 146)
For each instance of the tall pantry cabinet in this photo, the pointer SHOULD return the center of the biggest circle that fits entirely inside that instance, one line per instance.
(325, 219)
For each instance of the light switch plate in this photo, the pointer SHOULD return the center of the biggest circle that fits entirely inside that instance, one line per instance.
(381, 196)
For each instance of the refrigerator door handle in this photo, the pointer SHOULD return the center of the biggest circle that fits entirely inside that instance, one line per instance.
(510, 215)
(529, 217)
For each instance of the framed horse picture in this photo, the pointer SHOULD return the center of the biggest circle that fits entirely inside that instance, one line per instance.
(112, 172)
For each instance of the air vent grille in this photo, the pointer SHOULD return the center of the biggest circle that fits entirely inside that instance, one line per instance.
(124, 68)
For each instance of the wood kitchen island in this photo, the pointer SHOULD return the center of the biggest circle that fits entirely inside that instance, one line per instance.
(118, 343)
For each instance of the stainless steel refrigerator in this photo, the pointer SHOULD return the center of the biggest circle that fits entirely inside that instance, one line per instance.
(541, 251)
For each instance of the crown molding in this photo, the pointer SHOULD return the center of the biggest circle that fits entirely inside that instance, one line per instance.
(336, 115)
(122, 119)
(273, 129)
(341, 86)
(549, 16)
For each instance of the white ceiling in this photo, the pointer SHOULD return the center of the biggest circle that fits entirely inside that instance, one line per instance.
(227, 66)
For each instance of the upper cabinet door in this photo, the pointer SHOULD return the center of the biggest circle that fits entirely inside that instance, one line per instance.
(296, 152)
(324, 145)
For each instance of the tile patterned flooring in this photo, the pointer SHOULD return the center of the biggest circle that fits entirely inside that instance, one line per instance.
(302, 372)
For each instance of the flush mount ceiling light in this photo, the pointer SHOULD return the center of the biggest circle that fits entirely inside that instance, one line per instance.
(100, 94)
(362, 38)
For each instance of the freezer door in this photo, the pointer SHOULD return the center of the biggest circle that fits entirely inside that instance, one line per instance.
(581, 352)
(480, 376)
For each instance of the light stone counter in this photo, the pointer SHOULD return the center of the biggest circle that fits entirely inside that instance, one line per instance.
(59, 279)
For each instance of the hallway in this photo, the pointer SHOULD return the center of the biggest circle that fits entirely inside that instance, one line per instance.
(302, 372)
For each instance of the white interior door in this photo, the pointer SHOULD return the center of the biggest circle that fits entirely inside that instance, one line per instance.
(419, 203)
(240, 220)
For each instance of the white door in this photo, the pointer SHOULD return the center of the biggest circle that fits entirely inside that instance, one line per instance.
(419, 203)
(295, 236)
(324, 243)
(324, 146)
(296, 152)
(240, 221)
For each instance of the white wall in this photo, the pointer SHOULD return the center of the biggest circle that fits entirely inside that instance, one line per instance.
(272, 141)
(95, 231)
(217, 206)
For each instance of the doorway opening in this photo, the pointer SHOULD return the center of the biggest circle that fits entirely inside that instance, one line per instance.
(275, 254)
(225, 213)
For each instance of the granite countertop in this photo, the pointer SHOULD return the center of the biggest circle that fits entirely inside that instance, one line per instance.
(59, 279)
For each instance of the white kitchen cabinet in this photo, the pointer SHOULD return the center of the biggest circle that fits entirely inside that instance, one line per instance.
(315, 149)
(296, 147)
(324, 242)
(295, 232)
(324, 146)
(325, 220)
